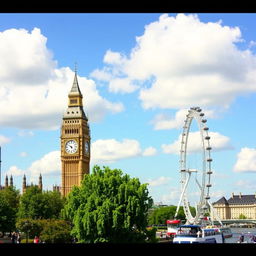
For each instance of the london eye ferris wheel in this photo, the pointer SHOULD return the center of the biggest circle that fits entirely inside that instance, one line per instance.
(198, 179)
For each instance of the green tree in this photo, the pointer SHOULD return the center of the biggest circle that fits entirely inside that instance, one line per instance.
(56, 231)
(9, 201)
(159, 215)
(242, 217)
(36, 204)
(30, 227)
(108, 207)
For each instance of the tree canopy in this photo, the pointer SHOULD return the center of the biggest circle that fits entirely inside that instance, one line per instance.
(9, 202)
(158, 216)
(108, 207)
(36, 204)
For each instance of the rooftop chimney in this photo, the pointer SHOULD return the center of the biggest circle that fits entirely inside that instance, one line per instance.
(240, 195)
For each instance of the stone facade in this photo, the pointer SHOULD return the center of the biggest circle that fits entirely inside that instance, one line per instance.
(235, 206)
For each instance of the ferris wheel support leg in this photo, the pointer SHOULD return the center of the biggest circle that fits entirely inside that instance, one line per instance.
(182, 195)
(214, 214)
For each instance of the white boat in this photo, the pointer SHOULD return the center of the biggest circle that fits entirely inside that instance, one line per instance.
(187, 234)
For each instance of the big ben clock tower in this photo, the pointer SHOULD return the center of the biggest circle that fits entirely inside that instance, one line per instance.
(75, 141)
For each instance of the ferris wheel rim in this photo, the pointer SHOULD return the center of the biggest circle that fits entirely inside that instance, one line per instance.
(196, 113)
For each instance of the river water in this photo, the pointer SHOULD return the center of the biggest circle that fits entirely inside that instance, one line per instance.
(237, 232)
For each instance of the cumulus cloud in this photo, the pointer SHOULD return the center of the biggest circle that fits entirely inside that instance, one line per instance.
(246, 160)
(14, 171)
(4, 140)
(203, 68)
(218, 142)
(25, 58)
(150, 151)
(34, 91)
(50, 163)
(158, 181)
(165, 122)
(111, 150)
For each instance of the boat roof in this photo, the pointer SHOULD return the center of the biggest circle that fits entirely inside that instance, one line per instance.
(190, 226)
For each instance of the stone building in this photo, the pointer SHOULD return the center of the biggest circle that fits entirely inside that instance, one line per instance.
(6, 183)
(25, 185)
(235, 206)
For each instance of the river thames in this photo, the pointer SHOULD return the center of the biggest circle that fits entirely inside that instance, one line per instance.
(237, 232)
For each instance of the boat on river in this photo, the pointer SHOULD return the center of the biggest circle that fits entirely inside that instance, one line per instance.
(187, 234)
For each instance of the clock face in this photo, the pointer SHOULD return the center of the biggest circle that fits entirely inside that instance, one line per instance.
(71, 146)
(87, 148)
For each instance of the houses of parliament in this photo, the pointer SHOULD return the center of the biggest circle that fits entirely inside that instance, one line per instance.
(75, 144)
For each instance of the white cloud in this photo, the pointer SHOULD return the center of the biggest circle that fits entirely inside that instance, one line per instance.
(182, 62)
(158, 181)
(150, 151)
(49, 164)
(246, 160)
(34, 92)
(25, 58)
(111, 150)
(122, 85)
(218, 142)
(165, 122)
(25, 133)
(15, 171)
(4, 140)
(114, 58)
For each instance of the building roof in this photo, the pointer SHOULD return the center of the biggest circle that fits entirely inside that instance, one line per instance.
(75, 90)
(237, 200)
(243, 199)
(223, 200)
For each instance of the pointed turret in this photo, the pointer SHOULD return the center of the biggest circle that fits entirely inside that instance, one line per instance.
(75, 102)
(11, 181)
(40, 183)
(6, 181)
(75, 90)
(24, 184)
(75, 96)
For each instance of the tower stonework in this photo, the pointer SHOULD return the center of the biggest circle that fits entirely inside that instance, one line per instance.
(75, 141)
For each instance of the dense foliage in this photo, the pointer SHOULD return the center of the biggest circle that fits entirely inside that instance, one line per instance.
(49, 231)
(36, 204)
(9, 202)
(108, 207)
(56, 231)
(159, 215)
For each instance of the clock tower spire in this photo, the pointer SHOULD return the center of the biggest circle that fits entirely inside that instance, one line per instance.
(75, 141)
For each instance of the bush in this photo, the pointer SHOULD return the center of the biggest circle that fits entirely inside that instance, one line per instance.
(56, 231)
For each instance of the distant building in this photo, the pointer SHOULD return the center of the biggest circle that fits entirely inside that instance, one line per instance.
(235, 206)
(6, 183)
(26, 186)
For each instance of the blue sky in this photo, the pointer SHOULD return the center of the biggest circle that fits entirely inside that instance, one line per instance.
(139, 75)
